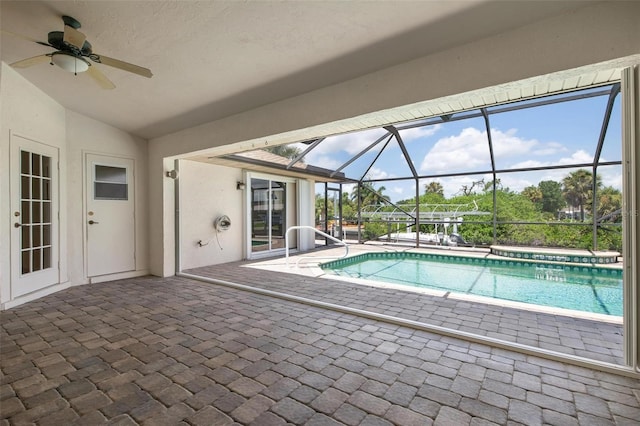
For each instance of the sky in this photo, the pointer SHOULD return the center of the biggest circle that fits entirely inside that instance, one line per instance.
(562, 133)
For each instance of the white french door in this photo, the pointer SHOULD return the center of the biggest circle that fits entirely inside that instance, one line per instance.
(34, 213)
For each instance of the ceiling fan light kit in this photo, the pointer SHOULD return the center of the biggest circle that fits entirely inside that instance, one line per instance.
(69, 62)
(73, 52)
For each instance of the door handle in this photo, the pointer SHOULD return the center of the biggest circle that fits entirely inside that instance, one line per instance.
(17, 225)
(93, 222)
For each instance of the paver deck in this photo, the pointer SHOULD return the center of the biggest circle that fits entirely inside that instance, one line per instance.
(599, 339)
(176, 351)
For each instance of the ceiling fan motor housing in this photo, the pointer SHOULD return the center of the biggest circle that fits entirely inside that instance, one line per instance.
(71, 21)
(56, 39)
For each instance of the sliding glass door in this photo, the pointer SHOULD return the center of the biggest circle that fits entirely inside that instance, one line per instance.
(268, 214)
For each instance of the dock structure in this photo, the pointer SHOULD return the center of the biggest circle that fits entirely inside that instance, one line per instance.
(431, 213)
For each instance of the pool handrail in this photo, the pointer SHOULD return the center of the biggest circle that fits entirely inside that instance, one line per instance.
(317, 231)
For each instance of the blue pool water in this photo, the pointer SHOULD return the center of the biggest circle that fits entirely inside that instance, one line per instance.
(583, 288)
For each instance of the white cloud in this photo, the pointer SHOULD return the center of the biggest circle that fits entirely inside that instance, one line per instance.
(376, 173)
(409, 135)
(507, 144)
(528, 164)
(351, 143)
(578, 157)
(517, 182)
(611, 177)
(327, 162)
(347, 188)
(397, 190)
(469, 150)
(550, 148)
(354, 143)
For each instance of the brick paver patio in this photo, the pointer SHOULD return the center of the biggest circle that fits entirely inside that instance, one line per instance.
(180, 352)
(584, 337)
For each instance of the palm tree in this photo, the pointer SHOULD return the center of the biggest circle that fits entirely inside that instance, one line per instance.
(578, 188)
(434, 188)
(369, 195)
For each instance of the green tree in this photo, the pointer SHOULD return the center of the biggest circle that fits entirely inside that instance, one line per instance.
(427, 198)
(533, 193)
(578, 189)
(552, 199)
(349, 209)
(434, 187)
(320, 217)
(609, 202)
(488, 187)
(471, 189)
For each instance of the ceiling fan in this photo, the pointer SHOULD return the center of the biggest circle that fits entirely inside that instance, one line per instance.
(73, 52)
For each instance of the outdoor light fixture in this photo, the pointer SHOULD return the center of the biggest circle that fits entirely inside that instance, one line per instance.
(69, 62)
(240, 186)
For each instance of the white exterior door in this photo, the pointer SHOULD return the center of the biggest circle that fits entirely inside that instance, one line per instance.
(109, 215)
(34, 213)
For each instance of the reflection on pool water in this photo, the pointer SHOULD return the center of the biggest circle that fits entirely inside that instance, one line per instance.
(576, 287)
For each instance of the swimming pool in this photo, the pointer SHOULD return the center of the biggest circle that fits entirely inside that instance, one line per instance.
(576, 287)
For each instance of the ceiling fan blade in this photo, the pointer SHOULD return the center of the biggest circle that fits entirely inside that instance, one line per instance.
(100, 78)
(25, 63)
(73, 37)
(126, 66)
(24, 37)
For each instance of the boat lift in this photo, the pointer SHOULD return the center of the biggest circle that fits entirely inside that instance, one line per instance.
(440, 214)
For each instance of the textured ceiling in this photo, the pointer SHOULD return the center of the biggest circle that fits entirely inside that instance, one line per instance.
(214, 59)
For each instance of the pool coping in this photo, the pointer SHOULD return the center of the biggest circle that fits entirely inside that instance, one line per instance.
(607, 269)
(611, 319)
(313, 260)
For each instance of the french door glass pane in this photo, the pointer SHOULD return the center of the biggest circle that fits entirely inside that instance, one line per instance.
(25, 162)
(46, 189)
(46, 167)
(35, 212)
(26, 236)
(35, 165)
(35, 188)
(25, 187)
(25, 262)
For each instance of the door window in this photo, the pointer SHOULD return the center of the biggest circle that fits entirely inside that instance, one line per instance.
(35, 211)
(110, 183)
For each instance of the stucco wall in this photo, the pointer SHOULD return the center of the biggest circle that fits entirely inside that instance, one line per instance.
(28, 112)
(602, 32)
(207, 192)
(86, 135)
